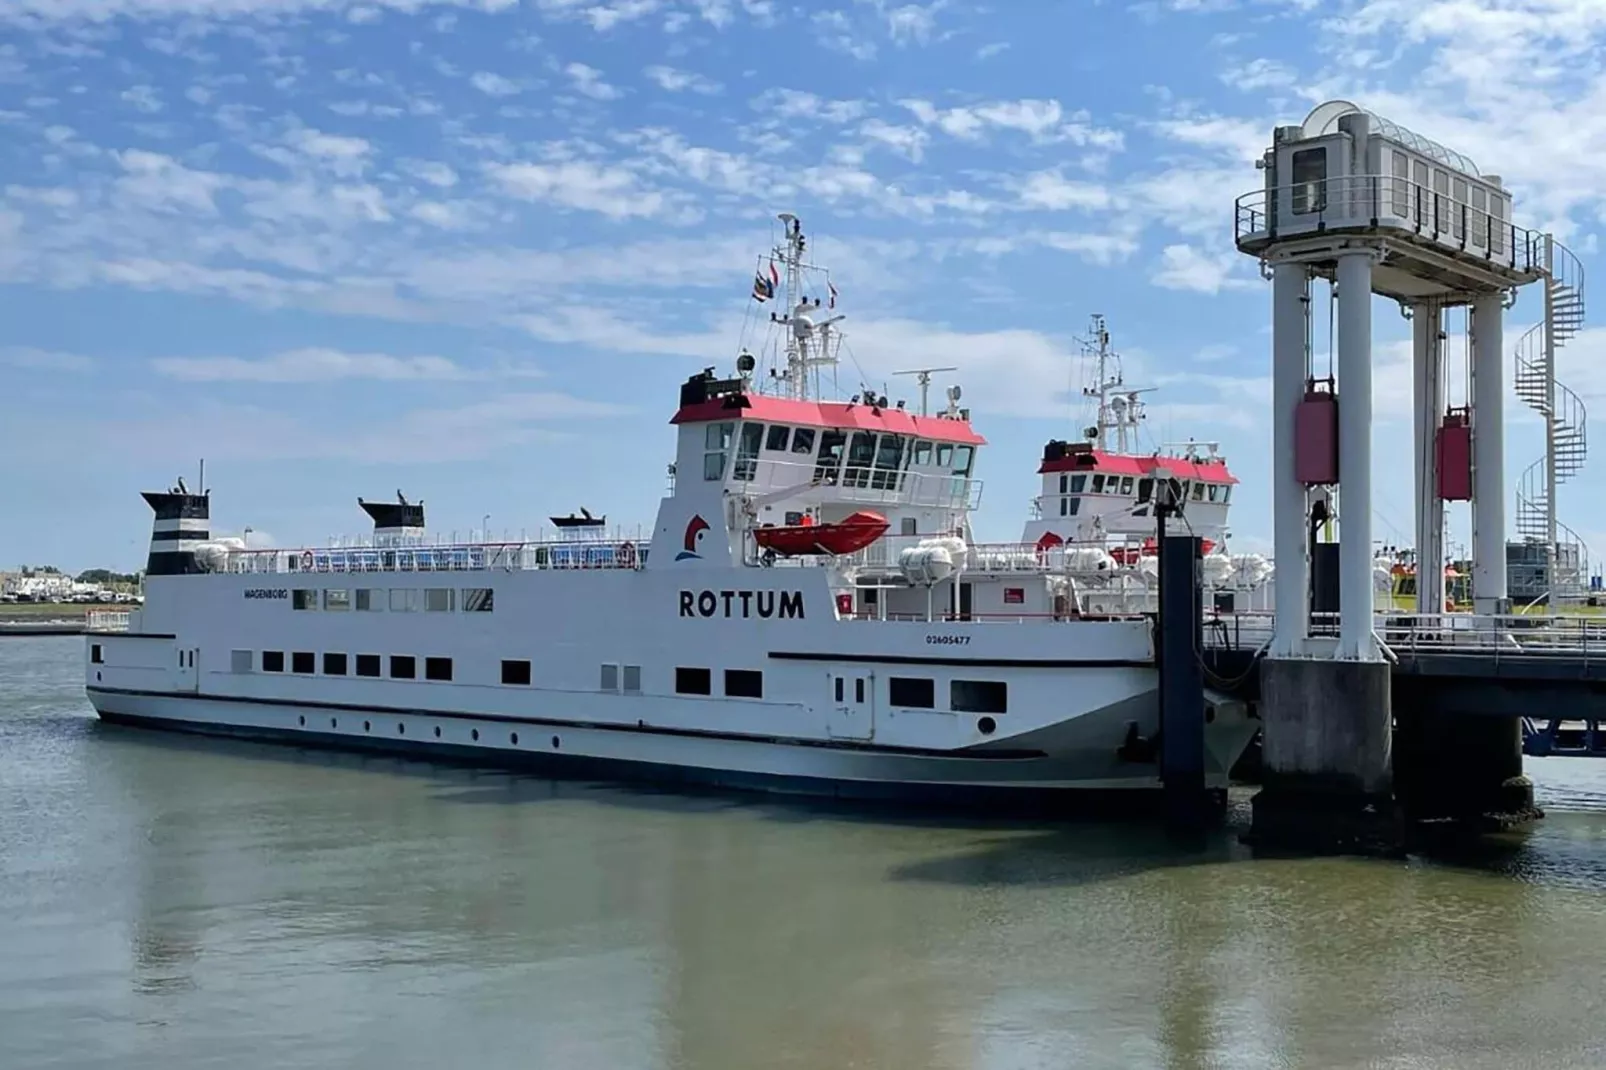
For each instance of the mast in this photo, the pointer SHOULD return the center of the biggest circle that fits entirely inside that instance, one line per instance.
(811, 339)
(1119, 410)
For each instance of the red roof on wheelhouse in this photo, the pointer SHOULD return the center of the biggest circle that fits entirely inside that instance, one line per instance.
(826, 414)
(1101, 461)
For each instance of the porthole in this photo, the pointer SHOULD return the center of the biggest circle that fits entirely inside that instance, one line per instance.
(333, 723)
(437, 731)
(302, 720)
(986, 726)
(554, 742)
(513, 738)
(475, 735)
(401, 729)
(97, 677)
(366, 726)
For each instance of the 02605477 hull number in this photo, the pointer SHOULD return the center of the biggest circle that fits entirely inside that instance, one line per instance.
(948, 640)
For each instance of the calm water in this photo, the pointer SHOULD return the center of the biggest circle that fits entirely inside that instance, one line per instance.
(173, 903)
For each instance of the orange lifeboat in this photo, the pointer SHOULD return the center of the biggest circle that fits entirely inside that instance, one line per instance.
(1130, 555)
(852, 532)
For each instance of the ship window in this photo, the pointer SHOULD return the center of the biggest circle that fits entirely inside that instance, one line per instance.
(1480, 215)
(963, 455)
(831, 443)
(747, 452)
(1126, 484)
(1212, 491)
(438, 599)
(1065, 482)
(516, 672)
(1145, 489)
(744, 683)
(1310, 180)
(693, 681)
(945, 454)
(803, 441)
(922, 453)
(370, 600)
(912, 692)
(273, 661)
(861, 454)
(1198, 492)
(610, 677)
(1078, 483)
(716, 440)
(1457, 211)
(633, 679)
(909, 525)
(334, 664)
(1076, 503)
(1226, 495)
(367, 664)
(438, 669)
(839, 689)
(403, 599)
(336, 599)
(1098, 484)
(978, 696)
(478, 599)
(888, 459)
(96, 657)
(303, 598)
(403, 667)
(1065, 507)
(776, 439)
(240, 661)
(858, 690)
(1401, 185)
(304, 661)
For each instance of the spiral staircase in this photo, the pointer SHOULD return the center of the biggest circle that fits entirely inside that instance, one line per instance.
(1566, 567)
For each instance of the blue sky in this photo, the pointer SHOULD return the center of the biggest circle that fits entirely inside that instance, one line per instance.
(471, 248)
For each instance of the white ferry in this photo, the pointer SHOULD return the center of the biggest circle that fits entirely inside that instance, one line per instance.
(809, 613)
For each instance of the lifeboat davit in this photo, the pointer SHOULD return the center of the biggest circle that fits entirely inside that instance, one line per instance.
(1130, 555)
(853, 532)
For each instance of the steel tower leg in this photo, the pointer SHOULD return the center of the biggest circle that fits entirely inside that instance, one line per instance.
(1489, 590)
(1290, 289)
(1356, 597)
(1427, 319)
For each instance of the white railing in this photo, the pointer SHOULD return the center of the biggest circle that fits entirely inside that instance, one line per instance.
(1406, 634)
(1091, 560)
(506, 557)
(858, 484)
(106, 620)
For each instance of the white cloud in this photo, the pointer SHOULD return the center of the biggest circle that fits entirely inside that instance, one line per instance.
(672, 80)
(1183, 267)
(143, 98)
(101, 11)
(588, 81)
(308, 366)
(907, 141)
(1052, 191)
(583, 184)
(343, 155)
(1041, 120)
(797, 104)
(494, 85)
(45, 360)
(436, 174)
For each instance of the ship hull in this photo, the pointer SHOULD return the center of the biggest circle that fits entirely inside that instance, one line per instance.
(1033, 773)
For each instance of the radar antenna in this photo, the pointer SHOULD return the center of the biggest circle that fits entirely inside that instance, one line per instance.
(923, 377)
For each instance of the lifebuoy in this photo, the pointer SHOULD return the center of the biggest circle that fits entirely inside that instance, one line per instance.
(627, 555)
(306, 561)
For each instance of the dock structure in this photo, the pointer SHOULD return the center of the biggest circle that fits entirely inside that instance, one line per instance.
(1370, 208)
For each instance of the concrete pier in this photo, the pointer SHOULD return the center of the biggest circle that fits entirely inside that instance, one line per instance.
(1327, 756)
(1463, 769)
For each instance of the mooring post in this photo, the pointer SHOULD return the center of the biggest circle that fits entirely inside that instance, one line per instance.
(1182, 750)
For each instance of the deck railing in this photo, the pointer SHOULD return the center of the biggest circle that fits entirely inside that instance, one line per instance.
(106, 620)
(482, 557)
(1516, 635)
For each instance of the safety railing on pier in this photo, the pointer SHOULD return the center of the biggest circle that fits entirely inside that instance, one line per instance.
(1496, 637)
(106, 620)
(1386, 202)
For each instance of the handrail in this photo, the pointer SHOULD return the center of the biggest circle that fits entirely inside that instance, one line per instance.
(1410, 634)
(863, 484)
(1385, 201)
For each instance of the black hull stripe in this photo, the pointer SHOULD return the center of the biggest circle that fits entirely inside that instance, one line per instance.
(978, 663)
(547, 722)
(968, 799)
(181, 534)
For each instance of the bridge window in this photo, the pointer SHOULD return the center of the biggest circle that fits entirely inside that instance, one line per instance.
(963, 455)
(1126, 485)
(861, 454)
(945, 454)
(831, 446)
(334, 664)
(888, 459)
(516, 673)
(912, 692)
(803, 441)
(744, 683)
(1198, 492)
(1098, 484)
(716, 440)
(923, 453)
(1078, 483)
(1212, 492)
(747, 452)
(978, 696)
(776, 439)
(1310, 180)
(693, 681)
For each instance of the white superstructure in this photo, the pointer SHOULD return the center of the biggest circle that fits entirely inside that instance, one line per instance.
(809, 612)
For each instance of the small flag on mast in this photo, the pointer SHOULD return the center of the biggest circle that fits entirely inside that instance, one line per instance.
(832, 302)
(775, 277)
(763, 289)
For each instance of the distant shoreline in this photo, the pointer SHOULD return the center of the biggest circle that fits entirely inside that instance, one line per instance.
(46, 618)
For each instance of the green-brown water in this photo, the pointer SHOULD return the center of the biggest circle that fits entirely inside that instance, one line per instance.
(174, 903)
